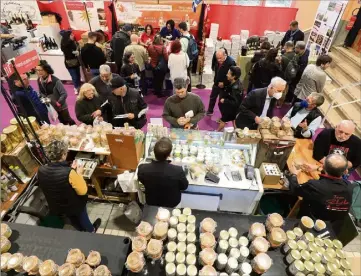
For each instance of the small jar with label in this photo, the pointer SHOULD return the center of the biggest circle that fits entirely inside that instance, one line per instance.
(298, 232)
(180, 258)
(261, 263)
(182, 237)
(191, 219)
(176, 212)
(232, 265)
(345, 264)
(233, 243)
(301, 245)
(181, 227)
(192, 270)
(296, 267)
(293, 256)
(289, 245)
(233, 232)
(330, 268)
(243, 241)
(312, 247)
(235, 253)
(207, 240)
(308, 237)
(305, 255)
(222, 246)
(191, 228)
(191, 248)
(181, 247)
(170, 269)
(207, 256)
(328, 243)
(326, 258)
(170, 257)
(191, 259)
(315, 257)
(172, 246)
(244, 253)
(290, 235)
(181, 270)
(319, 242)
(187, 211)
(259, 245)
(309, 267)
(223, 235)
(208, 271)
(172, 234)
(173, 222)
(332, 252)
(340, 254)
(182, 219)
(221, 262)
(336, 262)
(337, 244)
(191, 238)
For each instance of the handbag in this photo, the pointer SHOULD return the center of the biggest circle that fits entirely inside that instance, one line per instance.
(74, 62)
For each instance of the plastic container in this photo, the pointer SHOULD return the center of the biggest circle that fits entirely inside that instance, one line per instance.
(182, 219)
(296, 267)
(290, 235)
(135, 262)
(233, 243)
(139, 244)
(101, 270)
(145, 229)
(308, 237)
(261, 263)
(320, 225)
(191, 219)
(68, 269)
(31, 265)
(83, 270)
(293, 256)
(298, 232)
(182, 237)
(207, 256)
(301, 245)
(172, 234)
(208, 225)
(234, 253)
(305, 255)
(94, 258)
(309, 267)
(48, 268)
(187, 211)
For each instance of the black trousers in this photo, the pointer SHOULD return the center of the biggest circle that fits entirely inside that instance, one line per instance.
(352, 34)
(143, 83)
(213, 97)
(158, 79)
(189, 74)
(64, 117)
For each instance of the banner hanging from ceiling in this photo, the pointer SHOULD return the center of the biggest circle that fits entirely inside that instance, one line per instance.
(328, 16)
(156, 14)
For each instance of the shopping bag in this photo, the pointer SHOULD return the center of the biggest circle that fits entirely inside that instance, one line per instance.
(53, 115)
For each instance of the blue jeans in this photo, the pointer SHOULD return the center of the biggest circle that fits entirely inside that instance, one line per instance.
(75, 76)
(82, 222)
(95, 72)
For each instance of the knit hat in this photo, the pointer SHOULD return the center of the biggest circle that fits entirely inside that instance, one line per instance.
(117, 82)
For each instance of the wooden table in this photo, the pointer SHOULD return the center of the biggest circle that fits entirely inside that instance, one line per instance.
(302, 151)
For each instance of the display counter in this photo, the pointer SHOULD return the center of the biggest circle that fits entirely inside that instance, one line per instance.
(224, 222)
(54, 244)
(226, 158)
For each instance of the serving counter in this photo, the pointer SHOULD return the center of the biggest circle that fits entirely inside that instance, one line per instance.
(54, 244)
(226, 159)
(224, 221)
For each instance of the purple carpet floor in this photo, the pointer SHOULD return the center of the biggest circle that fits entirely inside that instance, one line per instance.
(155, 108)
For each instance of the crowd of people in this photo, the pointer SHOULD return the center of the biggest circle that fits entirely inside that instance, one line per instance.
(278, 76)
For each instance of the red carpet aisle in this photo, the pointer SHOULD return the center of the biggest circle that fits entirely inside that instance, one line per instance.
(155, 108)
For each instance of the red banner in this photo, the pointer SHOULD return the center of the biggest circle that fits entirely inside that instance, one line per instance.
(24, 63)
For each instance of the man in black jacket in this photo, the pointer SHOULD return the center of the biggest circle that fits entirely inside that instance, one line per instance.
(328, 198)
(293, 34)
(339, 140)
(120, 40)
(305, 117)
(224, 62)
(92, 55)
(125, 105)
(163, 181)
(259, 103)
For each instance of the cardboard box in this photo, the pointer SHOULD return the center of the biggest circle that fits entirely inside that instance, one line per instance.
(270, 173)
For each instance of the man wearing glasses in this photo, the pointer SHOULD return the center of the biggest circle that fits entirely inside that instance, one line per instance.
(260, 103)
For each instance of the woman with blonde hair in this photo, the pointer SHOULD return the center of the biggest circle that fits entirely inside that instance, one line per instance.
(87, 106)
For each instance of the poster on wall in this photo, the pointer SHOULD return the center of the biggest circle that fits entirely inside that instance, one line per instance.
(20, 8)
(328, 16)
(79, 13)
(156, 14)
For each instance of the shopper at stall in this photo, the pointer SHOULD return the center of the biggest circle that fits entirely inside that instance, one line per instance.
(259, 103)
(302, 57)
(178, 61)
(29, 99)
(130, 70)
(230, 99)
(294, 34)
(51, 87)
(119, 41)
(265, 69)
(328, 198)
(69, 47)
(184, 109)
(124, 105)
(163, 181)
(305, 117)
(64, 188)
(147, 36)
(88, 104)
(158, 61)
(221, 67)
(169, 31)
(141, 58)
(340, 140)
(313, 78)
(102, 82)
(92, 55)
(288, 56)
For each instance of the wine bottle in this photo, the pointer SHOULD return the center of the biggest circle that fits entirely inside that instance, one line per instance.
(55, 45)
(18, 19)
(43, 46)
(22, 19)
(30, 23)
(46, 41)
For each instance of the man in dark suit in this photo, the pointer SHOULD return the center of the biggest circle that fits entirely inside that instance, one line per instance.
(221, 67)
(293, 34)
(259, 103)
(163, 182)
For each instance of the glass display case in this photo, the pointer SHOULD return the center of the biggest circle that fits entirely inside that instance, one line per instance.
(215, 166)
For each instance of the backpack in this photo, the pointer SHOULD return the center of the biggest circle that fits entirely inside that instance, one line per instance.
(192, 50)
(291, 69)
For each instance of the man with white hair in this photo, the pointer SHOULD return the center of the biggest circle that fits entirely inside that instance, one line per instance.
(221, 67)
(259, 103)
(340, 141)
(102, 82)
(141, 58)
(305, 117)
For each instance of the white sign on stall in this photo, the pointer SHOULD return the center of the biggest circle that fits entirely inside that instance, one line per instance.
(15, 8)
